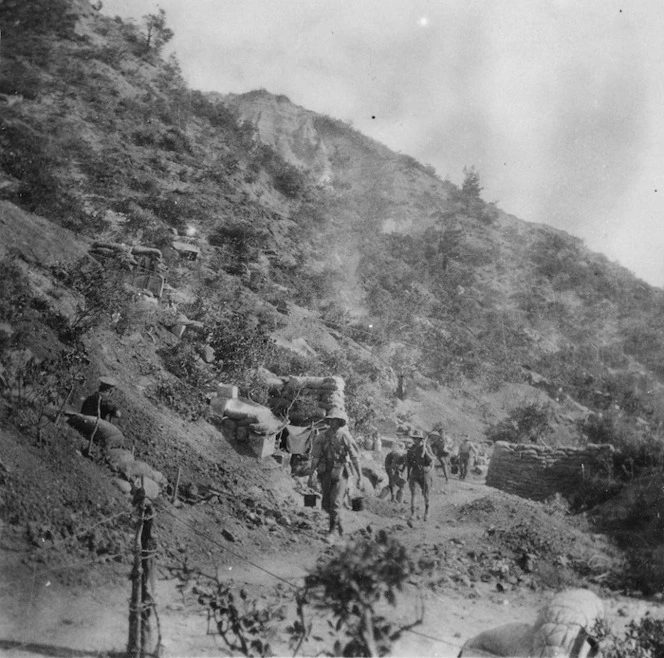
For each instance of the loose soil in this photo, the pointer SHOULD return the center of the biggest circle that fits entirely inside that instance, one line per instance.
(468, 557)
(66, 531)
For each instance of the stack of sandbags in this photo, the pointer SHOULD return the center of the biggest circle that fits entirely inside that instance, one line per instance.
(135, 474)
(564, 628)
(246, 421)
(272, 381)
(152, 252)
(538, 472)
(312, 398)
(116, 250)
(105, 434)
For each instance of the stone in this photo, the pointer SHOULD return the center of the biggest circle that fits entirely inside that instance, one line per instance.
(228, 535)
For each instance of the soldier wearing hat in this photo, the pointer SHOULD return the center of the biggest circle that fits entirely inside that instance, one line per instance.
(419, 466)
(334, 460)
(100, 404)
(438, 444)
(466, 449)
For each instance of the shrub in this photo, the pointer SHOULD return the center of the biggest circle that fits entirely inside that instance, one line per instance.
(243, 242)
(179, 396)
(18, 78)
(241, 343)
(29, 26)
(641, 639)
(289, 181)
(181, 360)
(635, 452)
(35, 384)
(524, 423)
(103, 294)
(352, 584)
(15, 292)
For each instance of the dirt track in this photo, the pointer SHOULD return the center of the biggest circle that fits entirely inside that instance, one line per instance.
(42, 616)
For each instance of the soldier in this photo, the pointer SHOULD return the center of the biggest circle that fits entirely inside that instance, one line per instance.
(419, 464)
(334, 458)
(438, 446)
(395, 465)
(99, 404)
(466, 449)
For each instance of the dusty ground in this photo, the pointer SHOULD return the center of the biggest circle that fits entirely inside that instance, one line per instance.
(66, 533)
(463, 588)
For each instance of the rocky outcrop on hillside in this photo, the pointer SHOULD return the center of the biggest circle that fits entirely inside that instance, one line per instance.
(289, 129)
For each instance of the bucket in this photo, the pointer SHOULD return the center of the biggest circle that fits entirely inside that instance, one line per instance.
(357, 504)
(310, 500)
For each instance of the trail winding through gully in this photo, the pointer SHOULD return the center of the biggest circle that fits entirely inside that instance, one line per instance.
(40, 617)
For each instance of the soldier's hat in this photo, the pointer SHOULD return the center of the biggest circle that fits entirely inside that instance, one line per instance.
(416, 434)
(338, 414)
(434, 435)
(107, 382)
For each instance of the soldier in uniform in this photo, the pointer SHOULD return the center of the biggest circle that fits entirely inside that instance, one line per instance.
(438, 446)
(419, 466)
(334, 458)
(395, 465)
(100, 404)
(466, 449)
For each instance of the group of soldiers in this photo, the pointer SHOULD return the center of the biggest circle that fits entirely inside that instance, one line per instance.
(415, 466)
(335, 459)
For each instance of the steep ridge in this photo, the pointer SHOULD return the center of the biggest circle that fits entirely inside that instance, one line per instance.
(319, 251)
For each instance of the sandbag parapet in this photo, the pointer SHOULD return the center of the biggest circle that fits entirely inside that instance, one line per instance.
(538, 472)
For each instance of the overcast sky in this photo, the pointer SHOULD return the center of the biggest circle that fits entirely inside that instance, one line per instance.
(558, 103)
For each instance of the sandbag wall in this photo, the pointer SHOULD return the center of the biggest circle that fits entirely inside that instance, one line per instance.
(538, 472)
(307, 399)
(245, 421)
(133, 473)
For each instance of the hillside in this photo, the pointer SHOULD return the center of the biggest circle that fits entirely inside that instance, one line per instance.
(293, 245)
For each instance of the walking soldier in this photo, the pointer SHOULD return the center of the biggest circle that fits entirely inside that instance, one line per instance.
(419, 466)
(334, 460)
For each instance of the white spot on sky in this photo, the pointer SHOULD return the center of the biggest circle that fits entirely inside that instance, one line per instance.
(423, 22)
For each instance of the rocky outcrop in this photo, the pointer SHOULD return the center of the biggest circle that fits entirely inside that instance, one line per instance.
(288, 128)
(538, 472)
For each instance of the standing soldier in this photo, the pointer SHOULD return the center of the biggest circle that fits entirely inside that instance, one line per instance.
(395, 465)
(334, 458)
(99, 404)
(419, 464)
(466, 449)
(438, 446)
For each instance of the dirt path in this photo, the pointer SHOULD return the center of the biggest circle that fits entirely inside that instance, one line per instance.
(40, 617)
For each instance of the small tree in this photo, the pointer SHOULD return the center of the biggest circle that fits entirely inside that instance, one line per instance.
(471, 191)
(157, 34)
(352, 584)
(471, 188)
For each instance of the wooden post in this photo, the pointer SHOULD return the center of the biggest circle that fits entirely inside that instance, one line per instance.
(142, 611)
(135, 603)
(148, 549)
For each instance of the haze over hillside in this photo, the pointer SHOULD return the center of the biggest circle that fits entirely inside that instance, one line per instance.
(302, 208)
(195, 246)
